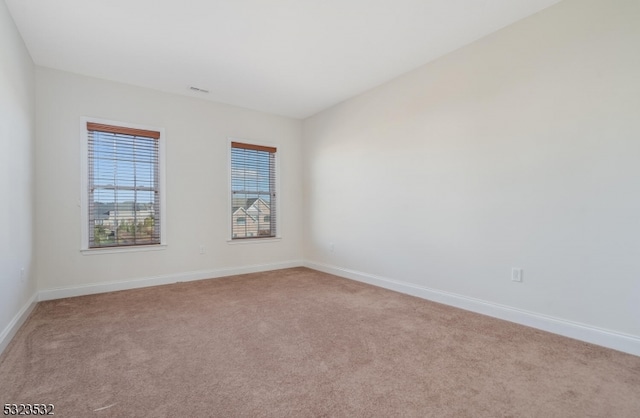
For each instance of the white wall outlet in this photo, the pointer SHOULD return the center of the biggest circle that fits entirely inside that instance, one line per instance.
(517, 274)
(331, 246)
(22, 274)
(202, 250)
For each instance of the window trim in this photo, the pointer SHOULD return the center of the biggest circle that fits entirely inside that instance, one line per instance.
(84, 184)
(260, 146)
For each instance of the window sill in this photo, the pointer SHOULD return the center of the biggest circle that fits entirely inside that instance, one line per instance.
(252, 240)
(132, 249)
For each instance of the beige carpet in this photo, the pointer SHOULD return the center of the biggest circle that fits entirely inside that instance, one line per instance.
(299, 343)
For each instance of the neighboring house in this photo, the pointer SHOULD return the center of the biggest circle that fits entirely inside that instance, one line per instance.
(116, 218)
(100, 218)
(253, 221)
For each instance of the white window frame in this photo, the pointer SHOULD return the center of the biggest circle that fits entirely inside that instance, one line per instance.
(84, 184)
(255, 240)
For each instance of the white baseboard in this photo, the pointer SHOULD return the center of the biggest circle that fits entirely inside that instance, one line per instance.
(17, 321)
(610, 339)
(606, 338)
(71, 291)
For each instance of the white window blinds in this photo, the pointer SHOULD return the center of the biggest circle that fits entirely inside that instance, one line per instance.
(253, 191)
(123, 186)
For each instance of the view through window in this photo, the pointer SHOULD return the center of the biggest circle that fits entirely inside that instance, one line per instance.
(123, 186)
(253, 191)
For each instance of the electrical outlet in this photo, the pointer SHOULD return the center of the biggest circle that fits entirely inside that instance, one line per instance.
(517, 274)
(22, 274)
(331, 246)
(202, 249)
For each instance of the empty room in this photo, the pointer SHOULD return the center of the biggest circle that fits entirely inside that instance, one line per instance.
(300, 208)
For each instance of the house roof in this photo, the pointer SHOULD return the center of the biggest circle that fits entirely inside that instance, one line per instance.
(247, 203)
(242, 211)
(238, 202)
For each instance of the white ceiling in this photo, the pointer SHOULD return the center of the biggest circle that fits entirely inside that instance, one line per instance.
(287, 57)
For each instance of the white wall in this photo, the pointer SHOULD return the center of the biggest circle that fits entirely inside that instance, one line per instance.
(519, 150)
(197, 183)
(17, 132)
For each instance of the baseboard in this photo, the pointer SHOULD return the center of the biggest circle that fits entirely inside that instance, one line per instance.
(17, 321)
(71, 291)
(610, 339)
(606, 338)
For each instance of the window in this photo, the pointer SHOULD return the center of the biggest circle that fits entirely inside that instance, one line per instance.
(253, 190)
(124, 200)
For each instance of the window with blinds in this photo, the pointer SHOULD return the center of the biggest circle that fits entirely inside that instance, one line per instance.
(123, 186)
(253, 191)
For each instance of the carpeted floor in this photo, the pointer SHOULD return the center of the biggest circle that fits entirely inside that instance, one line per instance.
(299, 343)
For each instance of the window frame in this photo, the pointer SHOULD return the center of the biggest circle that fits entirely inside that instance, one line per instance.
(84, 184)
(278, 216)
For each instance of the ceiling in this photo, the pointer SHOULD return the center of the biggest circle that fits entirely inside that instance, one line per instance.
(287, 57)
